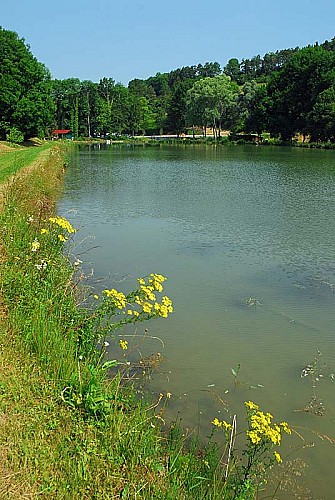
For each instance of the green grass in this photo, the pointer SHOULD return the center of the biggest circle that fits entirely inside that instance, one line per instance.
(12, 161)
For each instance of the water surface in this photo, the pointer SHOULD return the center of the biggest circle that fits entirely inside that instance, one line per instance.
(225, 225)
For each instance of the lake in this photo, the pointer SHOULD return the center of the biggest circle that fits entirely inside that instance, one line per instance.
(246, 238)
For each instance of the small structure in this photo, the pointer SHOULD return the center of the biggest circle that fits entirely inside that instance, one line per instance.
(62, 134)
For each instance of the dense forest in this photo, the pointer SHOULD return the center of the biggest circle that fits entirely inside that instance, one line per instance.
(285, 93)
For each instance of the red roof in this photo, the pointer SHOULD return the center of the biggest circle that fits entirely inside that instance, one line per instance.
(61, 131)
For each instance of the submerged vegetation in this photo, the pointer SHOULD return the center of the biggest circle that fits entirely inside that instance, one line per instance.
(74, 424)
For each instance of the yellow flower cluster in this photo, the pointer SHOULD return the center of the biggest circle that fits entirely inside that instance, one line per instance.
(251, 405)
(118, 298)
(147, 294)
(222, 423)
(133, 313)
(260, 426)
(123, 344)
(35, 245)
(63, 223)
(156, 281)
(143, 297)
(285, 427)
(147, 290)
(164, 308)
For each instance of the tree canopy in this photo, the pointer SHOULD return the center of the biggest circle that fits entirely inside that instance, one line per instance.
(287, 92)
(25, 88)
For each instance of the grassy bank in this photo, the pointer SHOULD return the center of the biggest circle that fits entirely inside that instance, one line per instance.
(71, 425)
(11, 161)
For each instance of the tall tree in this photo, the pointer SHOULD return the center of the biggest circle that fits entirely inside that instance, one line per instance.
(212, 102)
(25, 88)
(177, 110)
(322, 116)
(294, 90)
(64, 94)
(232, 69)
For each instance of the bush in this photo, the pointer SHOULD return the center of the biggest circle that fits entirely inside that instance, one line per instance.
(14, 136)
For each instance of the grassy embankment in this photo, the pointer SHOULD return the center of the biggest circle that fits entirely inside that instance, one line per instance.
(66, 430)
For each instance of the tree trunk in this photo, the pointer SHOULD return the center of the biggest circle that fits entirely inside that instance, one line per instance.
(88, 125)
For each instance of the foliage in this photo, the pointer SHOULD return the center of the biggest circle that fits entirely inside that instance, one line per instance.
(14, 136)
(294, 91)
(212, 101)
(322, 116)
(25, 99)
(286, 92)
(244, 476)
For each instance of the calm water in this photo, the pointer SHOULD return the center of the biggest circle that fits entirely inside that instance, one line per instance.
(224, 225)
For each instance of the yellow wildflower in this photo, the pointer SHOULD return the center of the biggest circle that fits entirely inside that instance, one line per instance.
(286, 427)
(161, 310)
(273, 434)
(44, 231)
(156, 281)
(138, 300)
(254, 437)
(35, 245)
(251, 405)
(136, 313)
(148, 292)
(96, 296)
(226, 425)
(63, 223)
(118, 298)
(123, 344)
(277, 457)
(147, 307)
(216, 422)
(166, 301)
(61, 238)
(164, 308)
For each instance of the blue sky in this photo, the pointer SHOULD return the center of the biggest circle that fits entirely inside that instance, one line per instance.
(128, 39)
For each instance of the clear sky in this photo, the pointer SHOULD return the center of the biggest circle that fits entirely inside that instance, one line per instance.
(126, 39)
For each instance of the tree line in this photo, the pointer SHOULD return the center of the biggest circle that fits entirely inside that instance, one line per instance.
(285, 93)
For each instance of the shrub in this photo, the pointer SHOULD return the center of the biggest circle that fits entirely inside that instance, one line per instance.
(14, 136)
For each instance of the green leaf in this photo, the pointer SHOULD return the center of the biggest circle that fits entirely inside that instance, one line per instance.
(110, 364)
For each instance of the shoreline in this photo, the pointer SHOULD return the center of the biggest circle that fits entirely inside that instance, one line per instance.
(209, 140)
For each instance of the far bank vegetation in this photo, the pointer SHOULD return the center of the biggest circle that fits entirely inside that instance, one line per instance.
(287, 94)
